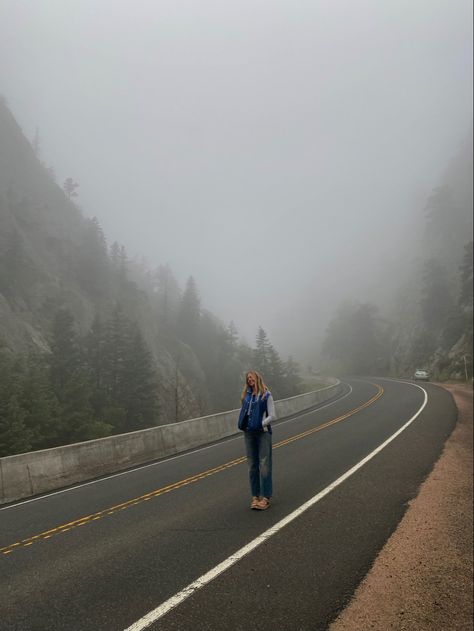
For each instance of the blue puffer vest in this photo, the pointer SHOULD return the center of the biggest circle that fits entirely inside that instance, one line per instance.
(253, 411)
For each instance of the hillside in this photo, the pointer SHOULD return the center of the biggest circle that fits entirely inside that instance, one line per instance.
(92, 343)
(429, 323)
(433, 318)
(37, 224)
(52, 257)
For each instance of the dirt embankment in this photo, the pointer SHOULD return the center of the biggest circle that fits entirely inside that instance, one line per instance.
(422, 580)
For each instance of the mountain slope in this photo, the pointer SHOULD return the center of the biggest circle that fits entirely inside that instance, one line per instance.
(52, 257)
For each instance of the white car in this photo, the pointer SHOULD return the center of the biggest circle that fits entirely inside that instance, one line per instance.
(421, 375)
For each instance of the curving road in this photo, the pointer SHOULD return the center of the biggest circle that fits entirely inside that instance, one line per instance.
(103, 555)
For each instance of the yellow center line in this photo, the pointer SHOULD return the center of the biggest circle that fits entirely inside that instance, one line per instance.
(81, 521)
(380, 391)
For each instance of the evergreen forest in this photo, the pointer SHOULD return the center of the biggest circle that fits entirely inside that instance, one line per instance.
(91, 342)
(429, 322)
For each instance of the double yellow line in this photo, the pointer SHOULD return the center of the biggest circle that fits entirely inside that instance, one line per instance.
(82, 521)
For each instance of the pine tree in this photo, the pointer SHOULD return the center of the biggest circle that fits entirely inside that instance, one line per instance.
(70, 187)
(217, 352)
(139, 394)
(115, 351)
(189, 314)
(115, 255)
(119, 261)
(233, 335)
(178, 387)
(262, 353)
(276, 375)
(292, 377)
(71, 385)
(208, 341)
(436, 299)
(93, 264)
(245, 356)
(41, 407)
(166, 290)
(229, 369)
(65, 360)
(353, 340)
(75, 411)
(123, 262)
(466, 306)
(96, 364)
(14, 435)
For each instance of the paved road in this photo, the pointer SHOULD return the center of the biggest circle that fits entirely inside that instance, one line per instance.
(102, 555)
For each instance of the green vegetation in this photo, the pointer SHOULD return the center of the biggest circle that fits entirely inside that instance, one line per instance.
(356, 341)
(92, 343)
(106, 381)
(430, 324)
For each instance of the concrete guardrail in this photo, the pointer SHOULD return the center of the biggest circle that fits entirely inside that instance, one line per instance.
(28, 474)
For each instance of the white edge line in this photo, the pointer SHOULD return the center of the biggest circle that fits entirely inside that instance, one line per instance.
(154, 464)
(203, 580)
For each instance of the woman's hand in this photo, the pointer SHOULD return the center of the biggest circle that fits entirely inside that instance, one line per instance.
(266, 421)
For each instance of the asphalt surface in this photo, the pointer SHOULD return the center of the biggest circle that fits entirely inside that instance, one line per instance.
(102, 555)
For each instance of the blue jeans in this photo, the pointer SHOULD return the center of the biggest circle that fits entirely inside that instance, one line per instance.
(259, 459)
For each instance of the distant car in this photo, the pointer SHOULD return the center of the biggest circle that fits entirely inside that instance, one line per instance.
(421, 375)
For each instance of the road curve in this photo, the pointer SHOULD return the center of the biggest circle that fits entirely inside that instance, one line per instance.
(103, 555)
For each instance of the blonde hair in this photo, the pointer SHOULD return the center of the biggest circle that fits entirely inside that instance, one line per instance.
(260, 386)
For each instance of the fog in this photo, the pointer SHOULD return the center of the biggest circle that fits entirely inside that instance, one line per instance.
(279, 152)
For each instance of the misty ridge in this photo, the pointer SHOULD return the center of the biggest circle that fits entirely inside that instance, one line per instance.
(93, 343)
(302, 230)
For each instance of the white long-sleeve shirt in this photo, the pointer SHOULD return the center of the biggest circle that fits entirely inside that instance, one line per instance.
(271, 413)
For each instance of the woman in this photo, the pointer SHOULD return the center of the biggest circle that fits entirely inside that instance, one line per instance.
(256, 415)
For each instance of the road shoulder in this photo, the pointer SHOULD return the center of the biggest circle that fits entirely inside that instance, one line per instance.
(422, 578)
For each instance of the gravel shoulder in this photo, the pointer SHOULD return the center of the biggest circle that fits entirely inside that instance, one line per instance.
(423, 577)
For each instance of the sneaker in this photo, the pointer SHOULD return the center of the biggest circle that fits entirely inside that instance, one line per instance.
(263, 504)
(255, 502)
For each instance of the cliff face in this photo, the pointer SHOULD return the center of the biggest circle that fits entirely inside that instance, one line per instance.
(52, 257)
(434, 311)
(36, 222)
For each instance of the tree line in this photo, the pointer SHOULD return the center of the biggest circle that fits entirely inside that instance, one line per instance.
(434, 330)
(359, 341)
(106, 381)
(152, 354)
(86, 387)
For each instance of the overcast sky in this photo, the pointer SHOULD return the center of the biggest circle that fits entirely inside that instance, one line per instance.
(275, 150)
